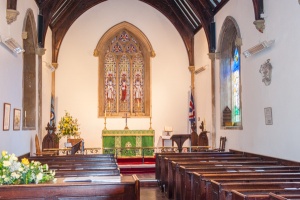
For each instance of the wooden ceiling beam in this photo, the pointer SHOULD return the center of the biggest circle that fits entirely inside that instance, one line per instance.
(60, 20)
(60, 28)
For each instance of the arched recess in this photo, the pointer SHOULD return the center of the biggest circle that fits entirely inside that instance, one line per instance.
(29, 71)
(115, 106)
(230, 74)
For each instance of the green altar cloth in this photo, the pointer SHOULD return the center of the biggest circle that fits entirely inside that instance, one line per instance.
(127, 139)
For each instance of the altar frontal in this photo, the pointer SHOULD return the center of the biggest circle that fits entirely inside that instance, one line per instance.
(135, 139)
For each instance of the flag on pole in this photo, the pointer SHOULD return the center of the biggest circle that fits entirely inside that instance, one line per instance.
(192, 116)
(52, 113)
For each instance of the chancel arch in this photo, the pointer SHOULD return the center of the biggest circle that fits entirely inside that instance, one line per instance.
(29, 72)
(230, 74)
(124, 54)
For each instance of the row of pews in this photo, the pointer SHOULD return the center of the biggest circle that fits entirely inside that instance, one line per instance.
(94, 176)
(232, 175)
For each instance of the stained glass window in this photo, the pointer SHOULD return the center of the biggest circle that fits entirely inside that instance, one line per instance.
(230, 75)
(236, 87)
(124, 75)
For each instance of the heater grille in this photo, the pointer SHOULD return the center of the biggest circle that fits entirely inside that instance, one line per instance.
(258, 48)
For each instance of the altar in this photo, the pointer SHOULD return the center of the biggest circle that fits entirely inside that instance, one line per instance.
(128, 139)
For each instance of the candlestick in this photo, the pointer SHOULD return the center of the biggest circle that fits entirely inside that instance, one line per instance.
(126, 127)
(105, 113)
(25, 114)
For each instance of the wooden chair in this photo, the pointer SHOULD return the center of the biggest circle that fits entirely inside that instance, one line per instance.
(39, 152)
(222, 144)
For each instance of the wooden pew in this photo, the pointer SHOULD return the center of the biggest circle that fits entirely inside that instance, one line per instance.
(159, 159)
(284, 196)
(189, 186)
(162, 176)
(201, 184)
(265, 194)
(81, 165)
(127, 188)
(222, 191)
(99, 157)
(177, 172)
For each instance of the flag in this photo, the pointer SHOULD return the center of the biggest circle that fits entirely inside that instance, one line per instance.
(52, 113)
(192, 116)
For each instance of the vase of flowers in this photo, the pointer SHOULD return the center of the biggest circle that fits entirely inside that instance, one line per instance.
(13, 172)
(67, 126)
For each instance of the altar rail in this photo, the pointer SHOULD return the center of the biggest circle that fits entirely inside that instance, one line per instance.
(130, 151)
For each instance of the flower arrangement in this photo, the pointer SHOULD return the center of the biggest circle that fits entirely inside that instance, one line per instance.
(67, 126)
(13, 172)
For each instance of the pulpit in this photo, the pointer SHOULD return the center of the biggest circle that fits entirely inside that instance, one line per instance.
(179, 139)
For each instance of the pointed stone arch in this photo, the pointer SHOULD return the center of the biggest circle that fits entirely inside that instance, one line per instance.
(30, 76)
(229, 48)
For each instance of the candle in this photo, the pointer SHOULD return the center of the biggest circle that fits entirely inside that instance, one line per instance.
(138, 103)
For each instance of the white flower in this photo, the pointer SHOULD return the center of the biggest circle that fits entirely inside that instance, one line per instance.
(15, 175)
(38, 178)
(6, 163)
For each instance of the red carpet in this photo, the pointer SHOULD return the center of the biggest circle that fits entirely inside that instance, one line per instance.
(136, 165)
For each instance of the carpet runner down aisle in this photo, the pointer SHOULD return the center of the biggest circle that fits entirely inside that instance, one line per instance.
(136, 165)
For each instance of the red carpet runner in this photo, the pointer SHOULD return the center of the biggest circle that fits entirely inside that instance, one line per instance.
(136, 165)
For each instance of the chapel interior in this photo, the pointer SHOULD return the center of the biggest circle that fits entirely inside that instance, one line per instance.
(152, 85)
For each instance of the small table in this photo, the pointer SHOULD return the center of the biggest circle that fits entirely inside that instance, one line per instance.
(163, 138)
(179, 139)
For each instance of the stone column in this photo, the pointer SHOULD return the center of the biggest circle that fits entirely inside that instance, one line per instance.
(212, 57)
(192, 70)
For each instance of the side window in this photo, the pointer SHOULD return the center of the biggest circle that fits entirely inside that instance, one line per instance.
(230, 75)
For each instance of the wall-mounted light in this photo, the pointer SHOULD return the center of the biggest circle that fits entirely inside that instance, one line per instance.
(49, 66)
(257, 48)
(201, 69)
(12, 45)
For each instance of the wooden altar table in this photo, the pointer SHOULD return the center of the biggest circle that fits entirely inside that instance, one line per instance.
(128, 138)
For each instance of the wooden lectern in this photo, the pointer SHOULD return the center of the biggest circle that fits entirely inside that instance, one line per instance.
(179, 139)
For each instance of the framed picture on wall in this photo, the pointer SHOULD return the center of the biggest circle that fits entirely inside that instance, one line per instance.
(268, 116)
(6, 116)
(17, 119)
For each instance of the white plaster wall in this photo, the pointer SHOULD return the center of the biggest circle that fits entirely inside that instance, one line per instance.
(77, 73)
(282, 24)
(47, 81)
(203, 102)
(11, 72)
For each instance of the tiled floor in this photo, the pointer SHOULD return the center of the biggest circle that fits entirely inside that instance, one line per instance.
(151, 193)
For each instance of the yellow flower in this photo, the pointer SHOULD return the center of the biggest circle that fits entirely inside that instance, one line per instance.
(25, 161)
(4, 153)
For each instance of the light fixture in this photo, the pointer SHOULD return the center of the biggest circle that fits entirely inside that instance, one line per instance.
(201, 69)
(49, 66)
(258, 48)
(12, 45)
